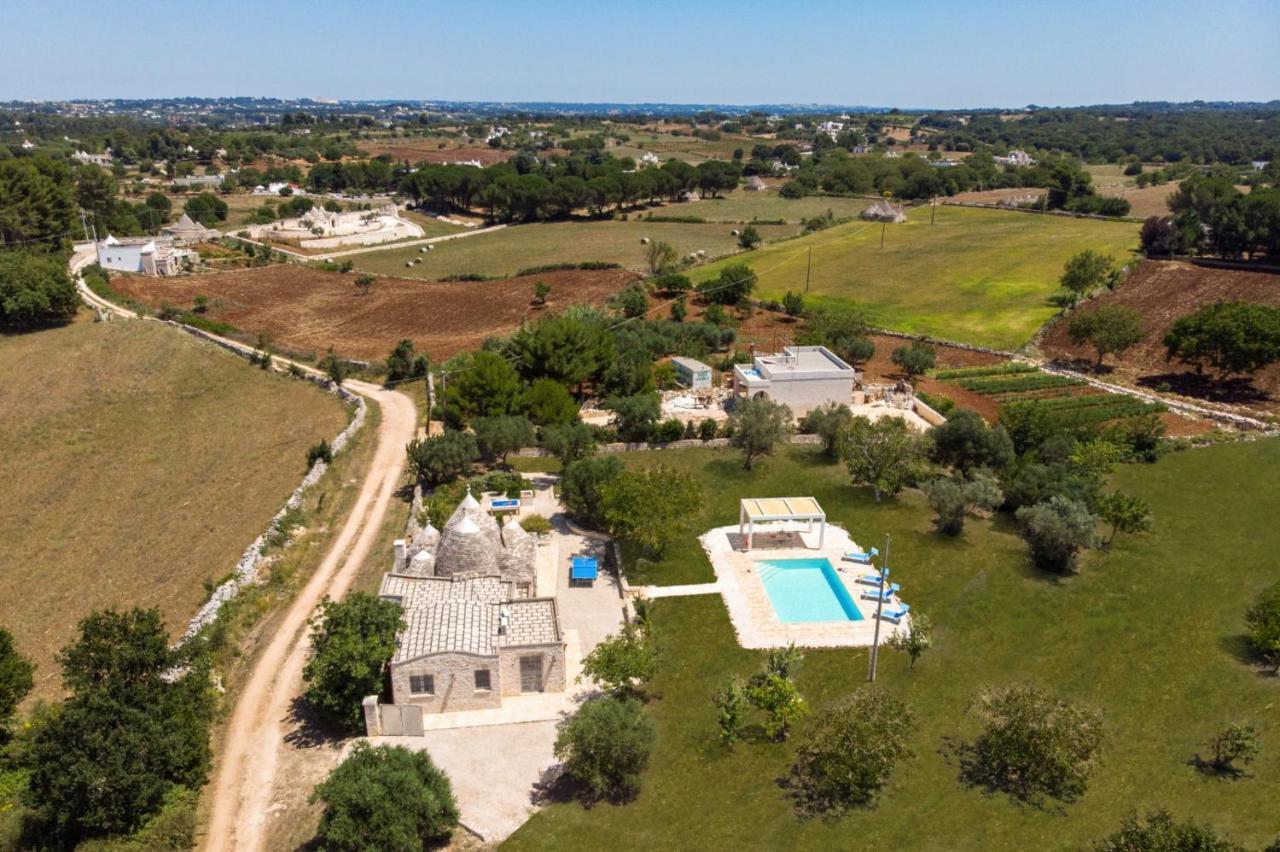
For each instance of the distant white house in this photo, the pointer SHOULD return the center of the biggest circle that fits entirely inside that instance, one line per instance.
(1261, 165)
(884, 211)
(755, 184)
(27, 144)
(1016, 157)
(831, 128)
(142, 256)
(274, 188)
(199, 180)
(944, 163)
(93, 159)
(649, 159)
(474, 163)
(692, 373)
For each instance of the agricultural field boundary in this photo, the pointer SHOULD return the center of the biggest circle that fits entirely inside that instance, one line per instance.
(1188, 409)
(981, 205)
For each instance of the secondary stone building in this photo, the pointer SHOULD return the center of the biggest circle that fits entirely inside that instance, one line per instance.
(475, 629)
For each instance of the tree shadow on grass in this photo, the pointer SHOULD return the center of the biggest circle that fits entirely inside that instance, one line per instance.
(307, 730)
(556, 786)
(1215, 771)
(962, 756)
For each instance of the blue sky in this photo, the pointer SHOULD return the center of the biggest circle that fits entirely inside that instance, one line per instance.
(926, 53)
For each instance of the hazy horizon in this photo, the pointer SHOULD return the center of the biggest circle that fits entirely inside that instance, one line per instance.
(923, 55)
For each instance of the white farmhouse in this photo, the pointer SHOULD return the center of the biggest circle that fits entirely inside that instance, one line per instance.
(142, 256)
(802, 377)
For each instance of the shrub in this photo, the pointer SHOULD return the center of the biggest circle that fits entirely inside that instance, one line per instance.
(496, 437)
(1159, 832)
(793, 304)
(1233, 744)
(916, 639)
(1263, 620)
(1057, 531)
(605, 747)
(826, 421)
(667, 431)
(1032, 744)
(385, 798)
(953, 498)
(776, 695)
(749, 238)
(622, 662)
(1125, 513)
(731, 709)
(405, 363)
(850, 752)
(351, 641)
(707, 429)
(965, 442)
(548, 403)
(732, 287)
(535, 524)
(319, 452)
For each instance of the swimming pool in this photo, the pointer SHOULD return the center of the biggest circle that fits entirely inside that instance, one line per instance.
(806, 590)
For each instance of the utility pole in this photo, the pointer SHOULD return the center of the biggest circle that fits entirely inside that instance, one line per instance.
(808, 269)
(444, 391)
(933, 208)
(875, 644)
(883, 225)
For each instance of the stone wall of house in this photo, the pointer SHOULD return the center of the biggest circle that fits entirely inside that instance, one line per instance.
(553, 672)
(454, 675)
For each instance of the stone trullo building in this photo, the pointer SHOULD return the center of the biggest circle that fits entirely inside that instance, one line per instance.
(475, 630)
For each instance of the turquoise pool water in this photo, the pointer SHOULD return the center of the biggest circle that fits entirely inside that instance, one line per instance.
(806, 590)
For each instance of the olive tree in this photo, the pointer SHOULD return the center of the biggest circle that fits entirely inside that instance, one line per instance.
(915, 639)
(622, 662)
(756, 427)
(1057, 531)
(1160, 832)
(916, 359)
(649, 507)
(1032, 745)
(885, 454)
(1109, 329)
(1234, 744)
(1125, 513)
(952, 498)
(850, 752)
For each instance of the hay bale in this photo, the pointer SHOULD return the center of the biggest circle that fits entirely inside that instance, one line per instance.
(408, 263)
(644, 241)
(422, 250)
(734, 232)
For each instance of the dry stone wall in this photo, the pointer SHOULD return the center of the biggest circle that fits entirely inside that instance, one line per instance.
(250, 562)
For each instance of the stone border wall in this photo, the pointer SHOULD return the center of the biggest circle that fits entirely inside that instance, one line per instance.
(246, 568)
(644, 446)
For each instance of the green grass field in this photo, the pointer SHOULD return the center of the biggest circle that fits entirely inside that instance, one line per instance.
(743, 206)
(1150, 633)
(977, 276)
(504, 252)
(139, 462)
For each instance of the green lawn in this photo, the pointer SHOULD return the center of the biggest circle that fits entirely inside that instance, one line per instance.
(1150, 633)
(518, 247)
(977, 276)
(743, 206)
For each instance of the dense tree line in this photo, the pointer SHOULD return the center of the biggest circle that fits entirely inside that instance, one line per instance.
(527, 188)
(1113, 134)
(1211, 215)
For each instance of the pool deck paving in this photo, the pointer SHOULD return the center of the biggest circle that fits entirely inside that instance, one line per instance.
(754, 620)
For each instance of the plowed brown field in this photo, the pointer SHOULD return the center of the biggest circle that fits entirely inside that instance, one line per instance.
(305, 309)
(1163, 291)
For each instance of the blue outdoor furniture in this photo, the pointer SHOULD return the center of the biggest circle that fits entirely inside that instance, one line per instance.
(869, 579)
(583, 569)
(896, 614)
(876, 595)
(861, 558)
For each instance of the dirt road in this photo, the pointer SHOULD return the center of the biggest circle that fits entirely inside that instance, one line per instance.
(245, 775)
(245, 779)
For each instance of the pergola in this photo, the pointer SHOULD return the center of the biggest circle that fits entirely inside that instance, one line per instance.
(752, 511)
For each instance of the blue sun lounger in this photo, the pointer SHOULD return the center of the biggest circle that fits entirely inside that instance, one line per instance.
(895, 614)
(875, 594)
(583, 570)
(861, 558)
(869, 580)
